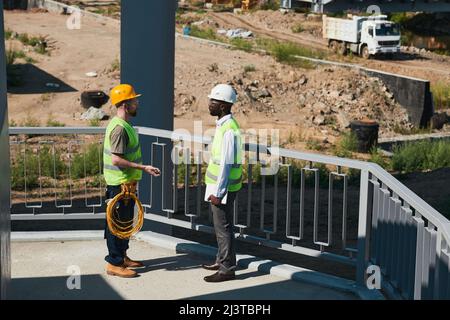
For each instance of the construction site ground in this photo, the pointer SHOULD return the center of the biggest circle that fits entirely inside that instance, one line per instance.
(304, 104)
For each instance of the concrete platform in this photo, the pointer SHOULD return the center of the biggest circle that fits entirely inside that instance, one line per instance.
(40, 270)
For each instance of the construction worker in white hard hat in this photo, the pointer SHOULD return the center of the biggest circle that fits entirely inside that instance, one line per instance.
(122, 164)
(224, 180)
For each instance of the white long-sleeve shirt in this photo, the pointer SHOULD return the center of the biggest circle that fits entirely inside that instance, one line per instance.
(229, 147)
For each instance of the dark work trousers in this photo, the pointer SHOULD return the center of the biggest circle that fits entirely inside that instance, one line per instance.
(117, 247)
(223, 226)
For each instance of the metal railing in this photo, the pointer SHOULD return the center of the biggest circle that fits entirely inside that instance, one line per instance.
(379, 222)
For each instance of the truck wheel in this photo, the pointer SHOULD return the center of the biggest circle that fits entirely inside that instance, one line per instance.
(333, 46)
(342, 48)
(365, 52)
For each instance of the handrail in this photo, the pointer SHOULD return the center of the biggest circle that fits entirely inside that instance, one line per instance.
(399, 188)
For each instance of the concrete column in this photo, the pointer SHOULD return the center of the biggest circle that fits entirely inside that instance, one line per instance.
(148, 63)
(5, 224)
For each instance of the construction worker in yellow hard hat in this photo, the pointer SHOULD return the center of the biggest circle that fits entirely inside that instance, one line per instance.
(122, 164)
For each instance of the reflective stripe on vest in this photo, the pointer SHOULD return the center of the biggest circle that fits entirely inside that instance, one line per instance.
(235, 175)
(115, 175)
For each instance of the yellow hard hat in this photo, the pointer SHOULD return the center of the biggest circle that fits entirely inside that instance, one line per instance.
(121, 93)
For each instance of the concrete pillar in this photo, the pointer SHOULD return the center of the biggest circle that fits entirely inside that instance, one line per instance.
(5, 224)
(148, 63)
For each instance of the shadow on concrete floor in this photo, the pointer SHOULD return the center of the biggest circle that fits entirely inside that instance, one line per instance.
(55, 288)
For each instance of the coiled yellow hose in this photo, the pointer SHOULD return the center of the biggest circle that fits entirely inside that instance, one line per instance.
(125, 229)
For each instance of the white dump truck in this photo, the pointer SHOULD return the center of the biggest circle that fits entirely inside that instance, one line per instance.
(365, 36)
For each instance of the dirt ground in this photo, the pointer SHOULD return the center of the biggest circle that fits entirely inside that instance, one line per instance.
(303, 103)
(278, 25)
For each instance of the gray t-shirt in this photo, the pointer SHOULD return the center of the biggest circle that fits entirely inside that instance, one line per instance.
(119, 140)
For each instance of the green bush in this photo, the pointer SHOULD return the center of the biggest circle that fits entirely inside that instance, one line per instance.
(38, 43)
(400, 17)
(298, 28)
(8, 34)
(419, 156)
(94, 123)
(313, 144)
(249, 68)
(92, 155)
(270, 5)
(347, 144)
(441, 95)
(377, 157)
(54, 123)
(44, 162)
(31, 122)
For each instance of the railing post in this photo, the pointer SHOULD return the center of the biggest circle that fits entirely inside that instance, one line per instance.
(148, 62)
(364, 227)
(5, 224)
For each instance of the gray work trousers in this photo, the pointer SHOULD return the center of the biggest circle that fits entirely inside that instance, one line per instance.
(223, 226)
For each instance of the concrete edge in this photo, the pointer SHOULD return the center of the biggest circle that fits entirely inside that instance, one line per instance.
(37, 236)
(284, 271)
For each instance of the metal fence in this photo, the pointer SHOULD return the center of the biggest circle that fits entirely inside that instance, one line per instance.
(343, 210)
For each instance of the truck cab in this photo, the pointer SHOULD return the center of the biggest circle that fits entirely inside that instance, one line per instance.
(379, 36)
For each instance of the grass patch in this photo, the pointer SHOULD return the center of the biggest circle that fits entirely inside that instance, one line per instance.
(286, 52)
(441, 95)
(48, 165)
(54, 123)
(208, 34)
(38, 43)
(400, 17)
(8, 34)
(377, 157)
(115, 66)
(241, 44)
(313, 144)
(421, 156)
(31, 122)
(347, 144)
(409, 131)
(91, 155)
(94, 123)
(298, 28)
(270, 5)
(249, 68)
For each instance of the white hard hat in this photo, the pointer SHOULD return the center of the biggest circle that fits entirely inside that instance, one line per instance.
(223, 92)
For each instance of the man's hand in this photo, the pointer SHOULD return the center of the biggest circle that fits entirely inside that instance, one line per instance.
(152, 171)
(214, 200)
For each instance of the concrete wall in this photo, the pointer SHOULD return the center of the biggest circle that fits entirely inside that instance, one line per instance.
(15, 4)
(148, 63)
(5, 225)
(413, 94)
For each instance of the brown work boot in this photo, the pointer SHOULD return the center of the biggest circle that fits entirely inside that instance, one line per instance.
(120, 271)
(128, 263)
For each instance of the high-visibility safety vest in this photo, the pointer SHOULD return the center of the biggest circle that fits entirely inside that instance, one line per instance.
(114, 175)
(235, 175)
